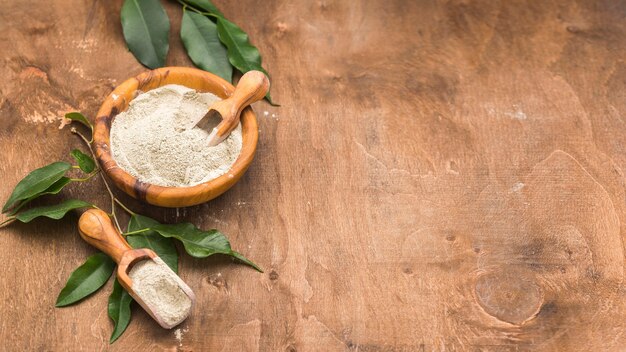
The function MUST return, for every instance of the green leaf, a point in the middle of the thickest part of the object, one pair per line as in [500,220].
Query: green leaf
[199,243]
[56,211]
[146,28]
[85,162]
[120,300]
[36,183]
[86,279]
[245,260]
[204,5]
[243,55]
[119,310]
[162,246]
[55,188]
[199,35]
[77,116]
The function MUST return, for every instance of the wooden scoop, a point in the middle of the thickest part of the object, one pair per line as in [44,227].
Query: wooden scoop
[96,228]
[223,115]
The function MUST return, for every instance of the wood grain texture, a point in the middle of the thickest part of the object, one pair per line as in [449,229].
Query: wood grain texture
[441,176]
[97,229]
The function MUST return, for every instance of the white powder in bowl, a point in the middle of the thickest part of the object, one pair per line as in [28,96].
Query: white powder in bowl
[150,142]
[159,287]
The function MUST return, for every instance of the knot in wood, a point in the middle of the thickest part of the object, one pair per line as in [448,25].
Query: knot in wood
[510,296]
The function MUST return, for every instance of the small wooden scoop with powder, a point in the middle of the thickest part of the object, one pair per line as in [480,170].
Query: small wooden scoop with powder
[223,115]
[140,271]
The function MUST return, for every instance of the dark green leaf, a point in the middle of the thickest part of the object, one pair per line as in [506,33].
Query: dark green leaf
[119,310]
[55,188]
[120,300]
[162,246]
[146,28]
[245,260]
[204,5]
[199,243]
[85,162]
[77,116]
[56,211]
[86,279]
[35,183]
[243,55]
[199,35]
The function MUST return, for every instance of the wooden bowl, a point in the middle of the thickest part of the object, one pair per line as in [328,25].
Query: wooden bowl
[173,197]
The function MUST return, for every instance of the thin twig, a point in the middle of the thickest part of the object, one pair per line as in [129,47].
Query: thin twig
[106,184]
[137,231]
[86,178]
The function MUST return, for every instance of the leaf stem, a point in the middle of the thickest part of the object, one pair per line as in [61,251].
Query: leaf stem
[7,222]
[86,178]
[137,231]
[212,15]
[191,7]
[130,212]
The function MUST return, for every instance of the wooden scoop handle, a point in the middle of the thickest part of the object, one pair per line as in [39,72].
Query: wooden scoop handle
[252,87]
[96,228]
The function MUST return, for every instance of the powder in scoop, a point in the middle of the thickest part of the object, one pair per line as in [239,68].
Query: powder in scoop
[150,140]
[159,287]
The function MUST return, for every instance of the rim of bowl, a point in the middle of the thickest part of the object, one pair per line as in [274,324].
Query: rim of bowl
[118,100]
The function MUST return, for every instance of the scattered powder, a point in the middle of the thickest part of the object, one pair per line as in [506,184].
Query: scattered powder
[517,186]
[150,140]
[159,287]
[178,334]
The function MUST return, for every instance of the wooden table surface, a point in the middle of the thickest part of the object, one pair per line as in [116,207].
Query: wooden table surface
[441,176]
